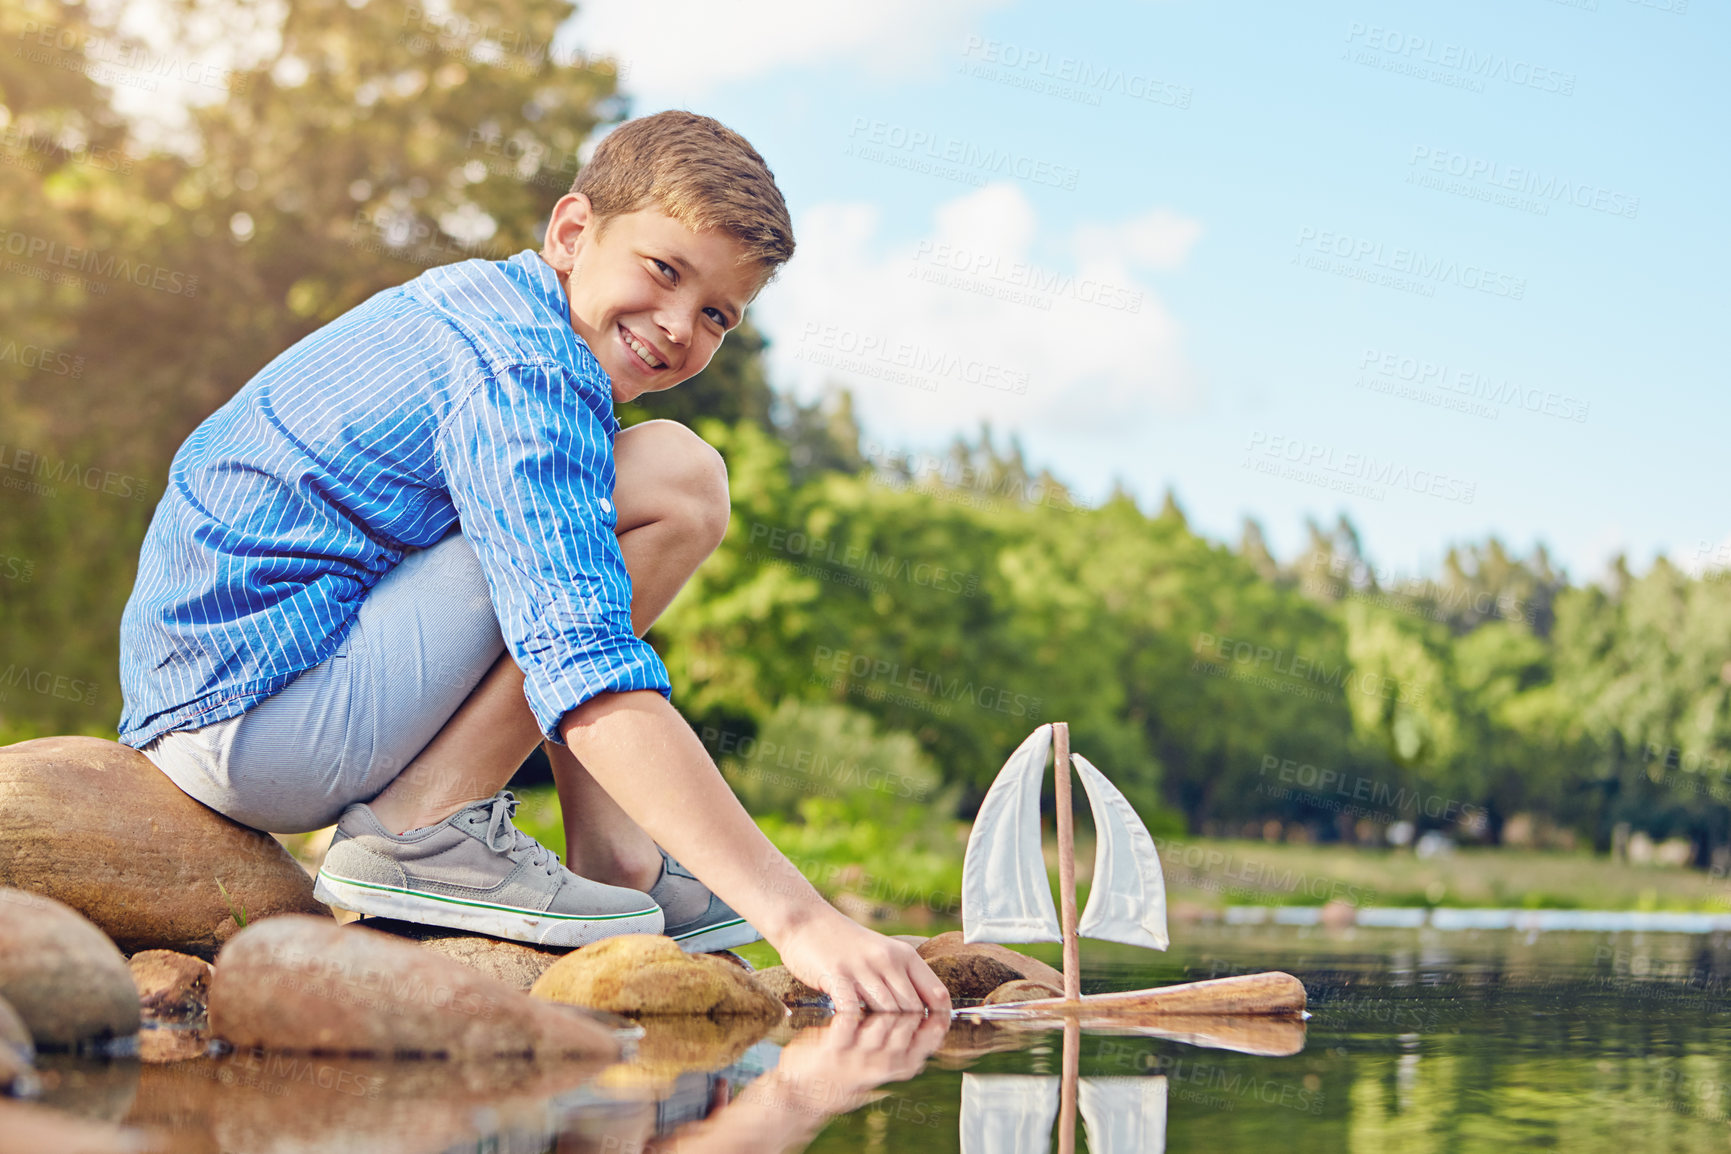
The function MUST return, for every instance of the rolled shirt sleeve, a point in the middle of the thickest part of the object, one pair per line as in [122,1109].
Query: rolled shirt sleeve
[527,456]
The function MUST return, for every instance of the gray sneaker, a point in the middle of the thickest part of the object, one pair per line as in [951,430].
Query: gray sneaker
[475,871]
[698,920]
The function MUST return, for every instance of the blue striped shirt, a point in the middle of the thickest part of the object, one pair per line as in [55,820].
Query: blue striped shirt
[463,397]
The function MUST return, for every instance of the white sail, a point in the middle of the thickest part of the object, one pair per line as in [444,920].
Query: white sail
[1122,1115]
[1005,894]
[1009,1113]
[1127,898]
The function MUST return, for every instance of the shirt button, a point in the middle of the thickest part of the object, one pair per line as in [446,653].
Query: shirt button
[606,505]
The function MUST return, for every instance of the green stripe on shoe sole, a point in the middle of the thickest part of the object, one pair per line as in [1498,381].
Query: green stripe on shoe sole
[488,905]
[707,929]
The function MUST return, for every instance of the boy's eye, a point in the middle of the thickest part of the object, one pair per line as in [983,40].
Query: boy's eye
[672,274]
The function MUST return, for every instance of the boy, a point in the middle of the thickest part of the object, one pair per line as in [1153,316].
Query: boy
[417,543]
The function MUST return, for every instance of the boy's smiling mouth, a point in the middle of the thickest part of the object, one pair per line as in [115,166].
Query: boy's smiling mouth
[644,353]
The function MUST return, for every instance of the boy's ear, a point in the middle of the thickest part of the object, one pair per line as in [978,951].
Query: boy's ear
[572,217]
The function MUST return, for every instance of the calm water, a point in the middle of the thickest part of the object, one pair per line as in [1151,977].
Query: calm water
[1420,1041]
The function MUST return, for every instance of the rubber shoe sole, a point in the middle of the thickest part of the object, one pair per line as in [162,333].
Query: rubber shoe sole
[721,936]
[520,925]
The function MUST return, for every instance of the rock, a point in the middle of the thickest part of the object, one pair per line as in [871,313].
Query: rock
[780,982]
[26,1126]
[16,1077]
[173,991]
[945,945]
[306,984]
[641,975]
[970,976]
[730,956]
[517,964]
[1022,990]
[16,1050]
[161,1045]
[95,825]
[67,982]
[14,1034]
[171,987]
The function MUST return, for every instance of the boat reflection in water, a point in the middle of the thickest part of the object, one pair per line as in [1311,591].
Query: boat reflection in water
[1013,1113]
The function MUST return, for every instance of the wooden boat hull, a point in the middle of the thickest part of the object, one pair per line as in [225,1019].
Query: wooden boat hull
[1272,993]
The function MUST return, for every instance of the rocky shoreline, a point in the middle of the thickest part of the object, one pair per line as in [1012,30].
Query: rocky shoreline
[116,939]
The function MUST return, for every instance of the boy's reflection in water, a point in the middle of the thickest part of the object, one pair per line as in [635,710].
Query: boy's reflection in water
[823,1072]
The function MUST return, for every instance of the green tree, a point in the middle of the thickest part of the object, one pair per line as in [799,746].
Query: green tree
[1644,659]
[1484,582]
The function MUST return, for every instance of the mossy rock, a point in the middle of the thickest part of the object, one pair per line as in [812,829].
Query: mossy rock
[794,994]
[646,975]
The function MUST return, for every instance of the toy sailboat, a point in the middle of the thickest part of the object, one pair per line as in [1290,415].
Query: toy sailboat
[1006,896]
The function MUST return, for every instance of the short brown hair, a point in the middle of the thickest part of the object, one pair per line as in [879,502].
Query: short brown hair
[696,170]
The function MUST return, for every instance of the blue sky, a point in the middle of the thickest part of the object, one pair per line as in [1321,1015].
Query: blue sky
[1452,268]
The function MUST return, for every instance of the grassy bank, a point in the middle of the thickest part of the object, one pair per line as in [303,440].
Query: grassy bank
[877,876]
[1216,873]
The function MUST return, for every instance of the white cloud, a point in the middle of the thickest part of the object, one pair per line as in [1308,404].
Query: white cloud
[1704,557]
[675,49]
[963,325]
[1159,239]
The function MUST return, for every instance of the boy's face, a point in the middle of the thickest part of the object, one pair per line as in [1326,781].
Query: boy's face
[651,298]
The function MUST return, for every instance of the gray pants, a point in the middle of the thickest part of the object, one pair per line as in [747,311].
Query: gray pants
[340,732]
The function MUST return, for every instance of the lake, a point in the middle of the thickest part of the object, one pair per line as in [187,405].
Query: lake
[1420,1040]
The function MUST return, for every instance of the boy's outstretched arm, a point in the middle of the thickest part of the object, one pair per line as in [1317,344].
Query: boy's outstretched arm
[641,751]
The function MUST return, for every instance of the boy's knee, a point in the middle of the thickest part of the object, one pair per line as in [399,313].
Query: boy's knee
[704,483]
[690,478]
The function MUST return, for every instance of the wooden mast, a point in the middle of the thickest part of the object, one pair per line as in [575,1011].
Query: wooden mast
[1066,863]
[1071,1068]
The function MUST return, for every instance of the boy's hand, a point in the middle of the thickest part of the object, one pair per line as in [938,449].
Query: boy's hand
[860,969]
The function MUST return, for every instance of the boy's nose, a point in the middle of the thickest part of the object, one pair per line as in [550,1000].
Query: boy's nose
[676,328]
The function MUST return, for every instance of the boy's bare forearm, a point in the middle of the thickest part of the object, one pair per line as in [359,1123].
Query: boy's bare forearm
[638,748]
